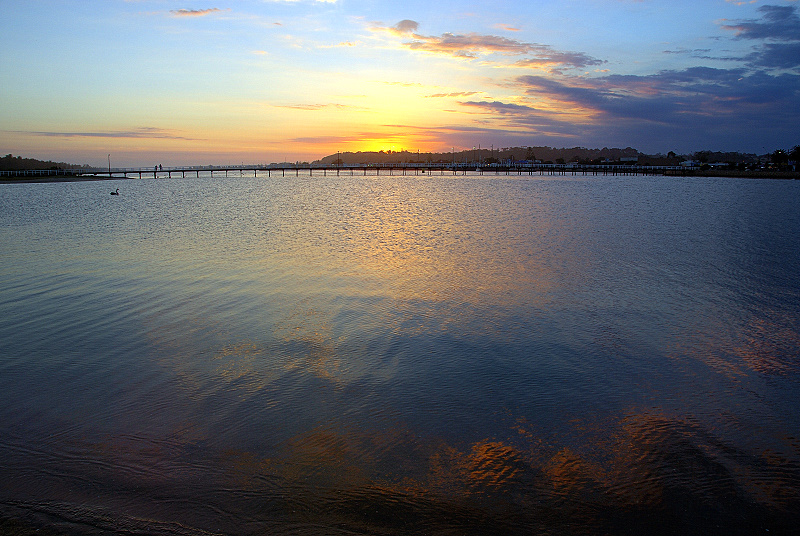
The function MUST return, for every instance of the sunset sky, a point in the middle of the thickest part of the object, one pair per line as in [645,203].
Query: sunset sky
[260,81]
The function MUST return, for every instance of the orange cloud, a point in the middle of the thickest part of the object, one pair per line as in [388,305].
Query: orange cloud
[506,27]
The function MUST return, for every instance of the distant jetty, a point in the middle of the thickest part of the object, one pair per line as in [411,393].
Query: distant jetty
[383,169]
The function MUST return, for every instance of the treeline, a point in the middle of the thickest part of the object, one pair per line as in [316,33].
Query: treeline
[16,163]
[485,154]
[726,157]
[580,155]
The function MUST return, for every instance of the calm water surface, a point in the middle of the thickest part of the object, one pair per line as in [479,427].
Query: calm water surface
[401,355]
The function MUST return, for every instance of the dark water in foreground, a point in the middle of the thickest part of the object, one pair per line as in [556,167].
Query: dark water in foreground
[401,355]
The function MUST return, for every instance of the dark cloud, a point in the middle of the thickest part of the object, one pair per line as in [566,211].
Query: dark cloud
[777,56]
[780,23]
[681,109]
[779,29]
[676,97]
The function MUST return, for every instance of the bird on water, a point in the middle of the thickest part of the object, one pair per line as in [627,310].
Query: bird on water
[115,193]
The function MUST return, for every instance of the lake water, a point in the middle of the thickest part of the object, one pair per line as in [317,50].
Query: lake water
[401,355]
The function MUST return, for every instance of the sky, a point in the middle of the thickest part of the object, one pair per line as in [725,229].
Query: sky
[144,82]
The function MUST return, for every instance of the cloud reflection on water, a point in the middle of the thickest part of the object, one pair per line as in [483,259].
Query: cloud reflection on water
[644,470]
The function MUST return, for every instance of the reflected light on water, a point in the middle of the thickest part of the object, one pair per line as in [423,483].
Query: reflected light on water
[400,355]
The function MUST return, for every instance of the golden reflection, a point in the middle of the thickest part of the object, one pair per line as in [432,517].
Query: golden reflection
[418,249]
[433,245]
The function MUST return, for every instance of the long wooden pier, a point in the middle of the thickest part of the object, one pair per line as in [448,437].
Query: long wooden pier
[418,169]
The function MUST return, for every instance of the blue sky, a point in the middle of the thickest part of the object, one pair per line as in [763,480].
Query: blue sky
[265,81]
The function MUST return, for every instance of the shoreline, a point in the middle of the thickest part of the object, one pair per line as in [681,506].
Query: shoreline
[13,526]
[62,178]
[734,174]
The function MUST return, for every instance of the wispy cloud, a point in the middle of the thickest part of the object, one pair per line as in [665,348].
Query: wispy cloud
[316,107]
[139,133]
[344,140]
[499,107]
[469,45]
[473,45]
[529,118]
[506,27]
[302,1]
[546,57]
[403,84]
[454,94]
[194,12]
[685,51]
[341,44]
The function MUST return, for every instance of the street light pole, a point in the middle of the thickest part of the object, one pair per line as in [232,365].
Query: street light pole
[109,165]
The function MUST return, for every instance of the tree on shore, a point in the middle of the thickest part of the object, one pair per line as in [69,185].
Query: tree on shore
[16,163]
[780,157]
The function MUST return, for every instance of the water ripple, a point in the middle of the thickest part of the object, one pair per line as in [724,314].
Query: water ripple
[396,355]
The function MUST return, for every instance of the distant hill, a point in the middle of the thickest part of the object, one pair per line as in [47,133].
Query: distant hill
[487,155]
[16,163]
